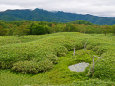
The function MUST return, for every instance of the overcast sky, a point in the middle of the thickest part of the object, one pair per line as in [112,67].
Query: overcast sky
[94,7]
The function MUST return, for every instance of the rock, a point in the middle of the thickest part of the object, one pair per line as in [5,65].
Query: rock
[80,67]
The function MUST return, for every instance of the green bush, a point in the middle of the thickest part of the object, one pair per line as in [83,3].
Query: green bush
[53,58]
[61,51]
[6,64]
[25,67]
[32,67]
[105,67]
[45,65]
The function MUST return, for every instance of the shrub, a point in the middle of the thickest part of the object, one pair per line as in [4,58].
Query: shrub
[6,64]
[53,58]
[32,67]
[105,67]
[25,67]
[61,51]
[45,65]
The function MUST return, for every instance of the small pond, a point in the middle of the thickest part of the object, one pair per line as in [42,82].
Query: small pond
[79,67]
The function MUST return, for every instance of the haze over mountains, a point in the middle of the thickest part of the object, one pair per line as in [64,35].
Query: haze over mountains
[52,16]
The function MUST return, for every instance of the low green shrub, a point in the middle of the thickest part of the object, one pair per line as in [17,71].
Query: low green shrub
[61,51]
[6,64]
[32,67]
[53,58]
[45,65]
[105,67]
[84,55]
[25,67]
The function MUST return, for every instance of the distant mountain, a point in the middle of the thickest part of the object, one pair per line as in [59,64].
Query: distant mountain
[59,16]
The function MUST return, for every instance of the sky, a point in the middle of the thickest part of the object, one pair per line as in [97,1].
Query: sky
[104,8]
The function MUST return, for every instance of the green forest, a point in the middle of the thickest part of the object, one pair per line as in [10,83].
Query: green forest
[42,27]
[38,53]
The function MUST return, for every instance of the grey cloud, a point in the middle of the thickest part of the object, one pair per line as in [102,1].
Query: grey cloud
[94,7]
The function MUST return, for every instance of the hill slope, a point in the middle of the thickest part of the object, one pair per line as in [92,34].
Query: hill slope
[43,15]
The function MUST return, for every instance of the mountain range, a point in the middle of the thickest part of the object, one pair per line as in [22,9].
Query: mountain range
[52,16]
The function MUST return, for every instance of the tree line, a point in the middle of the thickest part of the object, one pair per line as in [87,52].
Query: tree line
[42,27]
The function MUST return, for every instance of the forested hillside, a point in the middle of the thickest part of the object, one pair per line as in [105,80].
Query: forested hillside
[59,16]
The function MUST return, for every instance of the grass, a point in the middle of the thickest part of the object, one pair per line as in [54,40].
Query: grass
[37,48]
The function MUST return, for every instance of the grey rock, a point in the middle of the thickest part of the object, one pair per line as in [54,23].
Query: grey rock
[80,67]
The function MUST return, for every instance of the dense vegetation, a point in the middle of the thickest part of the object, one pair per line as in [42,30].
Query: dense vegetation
[20,28]
[44,59]
[43,15]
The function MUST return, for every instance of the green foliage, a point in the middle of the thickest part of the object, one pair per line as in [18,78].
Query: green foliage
[61,51]
[32,67]
[107,65]
[105,29]
[20,28]
[81,22]
[53,58]
[37,29]
[8,78]
[3,31]
[92,82]
[25,67]
[6,64]
[45,65]
[43,51]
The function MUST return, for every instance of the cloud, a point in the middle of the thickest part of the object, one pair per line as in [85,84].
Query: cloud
[94,7]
